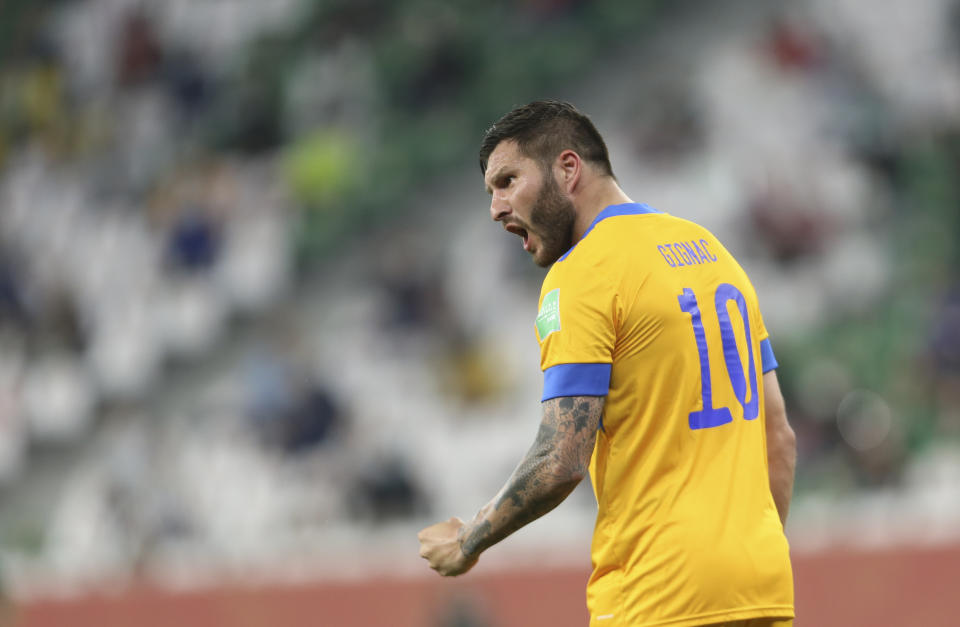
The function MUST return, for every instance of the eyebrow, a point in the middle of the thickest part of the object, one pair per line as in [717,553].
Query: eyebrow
[493,177]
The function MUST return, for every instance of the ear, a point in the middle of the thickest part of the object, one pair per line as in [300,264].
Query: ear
[568,168]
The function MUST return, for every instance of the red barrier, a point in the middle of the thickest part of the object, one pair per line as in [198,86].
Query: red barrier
[892,587]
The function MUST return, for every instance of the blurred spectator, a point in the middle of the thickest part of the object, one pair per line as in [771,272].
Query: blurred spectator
[470,370]
[13,309]
[195,241]
[414,301]
[290,409]
[413,285]
[139,54]
[190,85]
[793,45]
[314,420]
[386,491]
[323,167]
[269,389]
[673,129]
[38,87]
[793,227]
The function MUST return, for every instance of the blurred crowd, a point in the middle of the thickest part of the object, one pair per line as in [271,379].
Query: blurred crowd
[232,326]
[124,245]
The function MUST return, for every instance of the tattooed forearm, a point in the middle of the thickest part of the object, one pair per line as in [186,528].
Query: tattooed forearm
[471,544]
[551,469]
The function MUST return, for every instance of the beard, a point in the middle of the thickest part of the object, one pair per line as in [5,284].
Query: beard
[552,218]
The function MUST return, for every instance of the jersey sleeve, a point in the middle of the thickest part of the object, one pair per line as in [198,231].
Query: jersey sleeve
[576,330]
[768,360]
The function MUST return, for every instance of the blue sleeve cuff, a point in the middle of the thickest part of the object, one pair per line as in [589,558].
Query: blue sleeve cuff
[767,361]
[576,380]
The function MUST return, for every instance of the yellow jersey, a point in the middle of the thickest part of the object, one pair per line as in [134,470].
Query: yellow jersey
[654,313]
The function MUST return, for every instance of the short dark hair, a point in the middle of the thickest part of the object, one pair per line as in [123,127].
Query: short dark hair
[545,128]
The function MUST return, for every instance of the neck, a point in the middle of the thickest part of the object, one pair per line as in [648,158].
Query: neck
[594,198]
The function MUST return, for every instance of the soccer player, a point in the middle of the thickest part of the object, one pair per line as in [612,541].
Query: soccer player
[659,379]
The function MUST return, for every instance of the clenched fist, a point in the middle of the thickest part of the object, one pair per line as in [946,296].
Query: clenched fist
[440,546]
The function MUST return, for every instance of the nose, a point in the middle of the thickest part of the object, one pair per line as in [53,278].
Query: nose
[499,208]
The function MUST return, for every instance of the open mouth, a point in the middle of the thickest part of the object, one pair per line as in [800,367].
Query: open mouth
[520,231]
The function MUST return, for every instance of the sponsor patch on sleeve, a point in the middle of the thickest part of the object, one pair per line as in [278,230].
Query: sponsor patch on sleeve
[548,320]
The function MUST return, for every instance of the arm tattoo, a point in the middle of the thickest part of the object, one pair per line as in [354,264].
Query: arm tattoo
[471,544]
[551,469]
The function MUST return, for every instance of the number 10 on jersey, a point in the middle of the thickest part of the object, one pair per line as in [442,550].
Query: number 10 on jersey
[711,416]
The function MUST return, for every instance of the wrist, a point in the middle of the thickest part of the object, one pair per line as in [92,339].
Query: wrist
[462,535]
[471,537]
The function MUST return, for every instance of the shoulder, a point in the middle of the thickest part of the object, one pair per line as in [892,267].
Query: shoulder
[586,269]
[602,247]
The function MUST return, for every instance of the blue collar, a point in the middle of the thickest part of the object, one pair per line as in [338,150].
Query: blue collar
[626,209]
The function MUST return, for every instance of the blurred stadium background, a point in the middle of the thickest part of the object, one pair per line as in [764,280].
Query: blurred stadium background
[256,328]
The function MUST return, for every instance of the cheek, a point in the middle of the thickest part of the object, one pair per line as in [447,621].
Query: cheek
[525,197]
